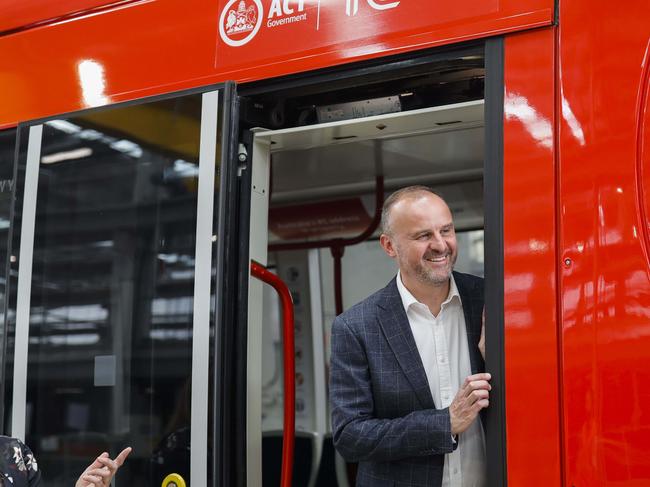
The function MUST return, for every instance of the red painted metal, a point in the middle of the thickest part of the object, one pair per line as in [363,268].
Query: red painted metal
[643,154]
[605,283]
[289,432]
[155,47]
[19,15]
[529,205]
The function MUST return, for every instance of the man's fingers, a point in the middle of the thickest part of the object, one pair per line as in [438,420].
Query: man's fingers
[92,479]
[113,465]
[97,463]
[109,464]
[480,384]
[473,396]
[481,376]
[485,376]
[475,385]
[480,404]
[122,456]
[479,394]
[103,472]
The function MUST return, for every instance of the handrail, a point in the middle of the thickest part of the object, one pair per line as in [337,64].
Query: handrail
[289,431]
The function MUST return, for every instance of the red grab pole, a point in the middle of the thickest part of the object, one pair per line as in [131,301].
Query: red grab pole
[288,436]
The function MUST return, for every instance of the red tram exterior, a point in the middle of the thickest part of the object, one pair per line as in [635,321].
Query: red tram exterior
[576,200]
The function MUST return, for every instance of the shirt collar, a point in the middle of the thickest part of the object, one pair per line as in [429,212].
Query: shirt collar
[408,299]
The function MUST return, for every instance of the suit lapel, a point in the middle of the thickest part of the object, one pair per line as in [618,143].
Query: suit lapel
[472,321]
[394,323]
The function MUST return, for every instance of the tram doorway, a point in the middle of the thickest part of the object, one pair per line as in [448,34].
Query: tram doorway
[315,191]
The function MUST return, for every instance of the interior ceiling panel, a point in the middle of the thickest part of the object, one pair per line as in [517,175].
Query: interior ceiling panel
[435,145]
[405,157]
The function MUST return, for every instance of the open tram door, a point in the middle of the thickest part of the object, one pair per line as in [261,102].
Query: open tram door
[119,288]
[317,180]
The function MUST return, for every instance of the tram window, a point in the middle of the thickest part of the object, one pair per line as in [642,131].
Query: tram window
[112,296]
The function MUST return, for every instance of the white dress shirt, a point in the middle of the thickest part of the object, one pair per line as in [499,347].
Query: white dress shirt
[442,344]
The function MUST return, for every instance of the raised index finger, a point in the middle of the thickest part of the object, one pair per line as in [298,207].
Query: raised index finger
[122,456]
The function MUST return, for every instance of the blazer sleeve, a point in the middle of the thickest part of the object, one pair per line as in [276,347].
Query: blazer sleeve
[33,472]
[18,464]
[359,435]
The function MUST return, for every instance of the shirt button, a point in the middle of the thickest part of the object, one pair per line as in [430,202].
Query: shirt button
[442,360]
[455,471]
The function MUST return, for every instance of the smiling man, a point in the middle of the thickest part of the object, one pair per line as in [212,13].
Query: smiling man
[407,380]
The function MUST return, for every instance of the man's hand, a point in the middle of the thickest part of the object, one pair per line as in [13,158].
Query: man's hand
[473,396]
[102,470]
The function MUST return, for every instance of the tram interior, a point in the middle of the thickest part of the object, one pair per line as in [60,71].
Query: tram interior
[324,185]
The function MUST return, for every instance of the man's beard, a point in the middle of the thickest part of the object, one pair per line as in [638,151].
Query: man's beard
[430,276]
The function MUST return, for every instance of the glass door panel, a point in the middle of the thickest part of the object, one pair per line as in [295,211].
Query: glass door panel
[7,159]
[113,312]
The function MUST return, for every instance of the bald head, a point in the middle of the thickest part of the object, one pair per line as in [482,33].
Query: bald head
[401,195]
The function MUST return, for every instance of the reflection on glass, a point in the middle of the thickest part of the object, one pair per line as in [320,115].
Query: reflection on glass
[7,152]
[112,291]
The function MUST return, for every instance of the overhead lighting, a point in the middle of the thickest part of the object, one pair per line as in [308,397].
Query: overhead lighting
[185,169]
[64,126]
[90,134]
[67,155]
[127,147]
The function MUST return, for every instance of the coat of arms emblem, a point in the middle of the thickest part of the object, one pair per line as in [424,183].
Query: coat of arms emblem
[241,20]
[239,24]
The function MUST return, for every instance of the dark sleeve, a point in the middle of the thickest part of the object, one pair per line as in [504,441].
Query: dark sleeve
[32,471]
[357,434]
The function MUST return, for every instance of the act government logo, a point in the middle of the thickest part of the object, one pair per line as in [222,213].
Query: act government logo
[240,20]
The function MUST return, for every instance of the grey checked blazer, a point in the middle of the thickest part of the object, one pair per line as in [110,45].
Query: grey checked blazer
[383,415]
